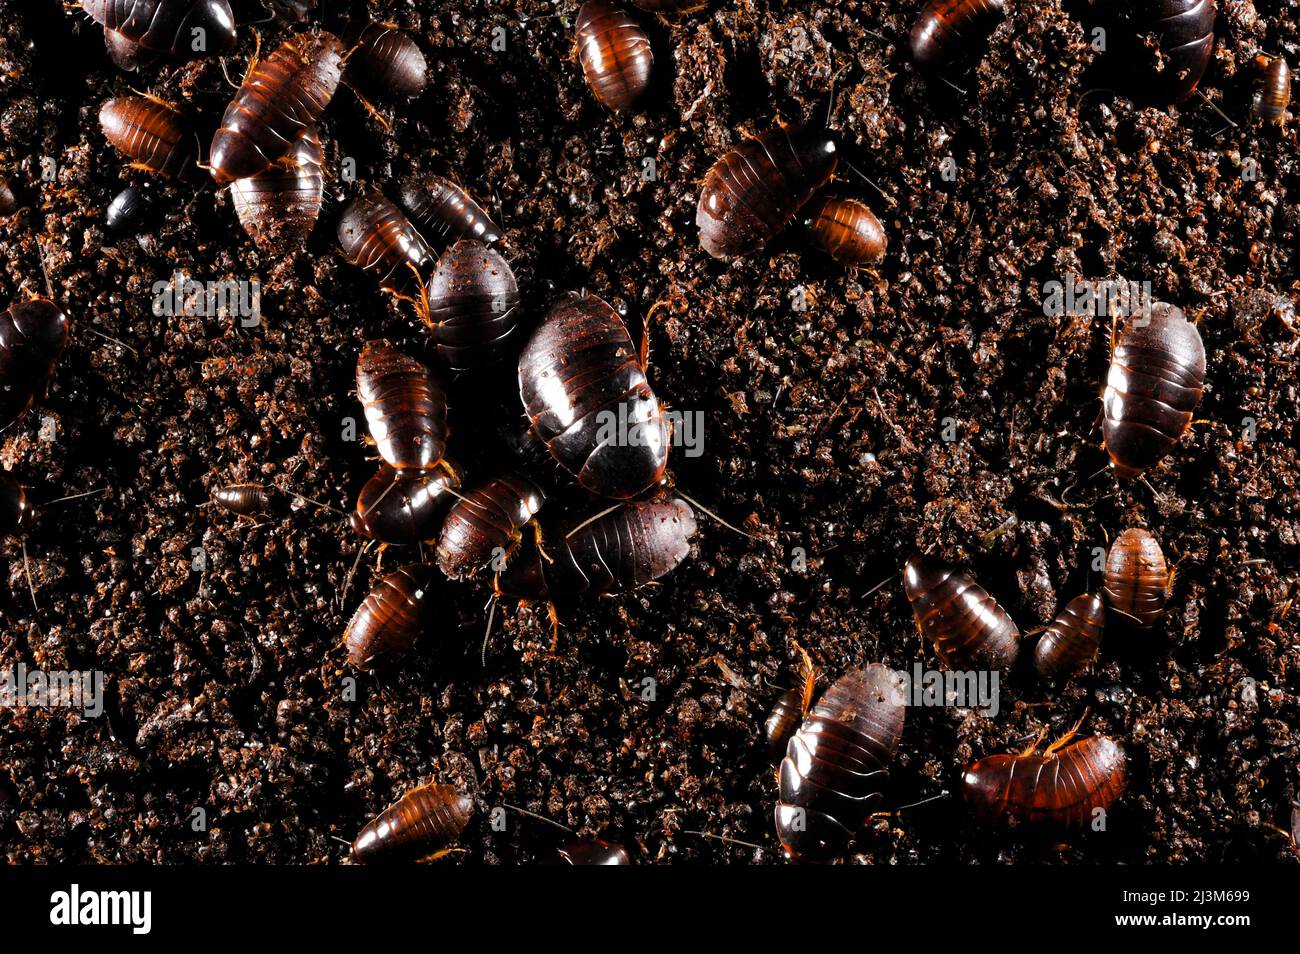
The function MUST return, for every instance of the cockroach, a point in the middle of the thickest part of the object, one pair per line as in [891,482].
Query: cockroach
[281,98]
[473,306]
[442,211]
[969,629]
[153,135]
[1157,374]
[390,618]
[290,11]
[946,26]
[126,55]
[486,520]
[1070,644]
[790,707]
[1272,89]
[847,231]
[595,852]
[420,826]
[403,507]
[837,765]
[376,237]
[168,26]
[125,210]
[581,379]
[278,207]
[615,55]
[247,500]
[1186,39]
[385,60]
[405,405]
[32,336]
[752,192]
[1137,581]
[14,510]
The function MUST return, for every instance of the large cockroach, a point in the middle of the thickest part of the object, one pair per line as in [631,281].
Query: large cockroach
[847,231]
[153,135]
[125,54]
[473,306]
[1137,581]
[420,826]
[278,207]
[486,521]
[385,60]
[376,237]
[594,852]
[405,405]
[1272,89]
[247,500]
[14,510]
[1186,36]
[752,192]
[442,211]
[945,27]
[615,55]
[1070,644]
[32,336]
[390,618]
[403,507]
[168,26]
[969,629]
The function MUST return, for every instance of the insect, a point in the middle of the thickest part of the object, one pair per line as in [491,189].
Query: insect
[278,206]
[32,336]
[1186,38]
[376,237]
[946,26]
[789,709]
[420,826]
[390,618]
[243,499]
[405,405]
[443,211]
[753,191]
[586,395]
[1272,89]
[837,765]
[8,201]
[967,626]
[1070,643]
[847,231]
[125,210]
[1137,581]
[473,306]
[1157,373]
[401,508]
[125,54]
[595,852]
[615,54]
[384,59]
[487,520]
[152,134]
[281,98]
[169,26]
[14,509]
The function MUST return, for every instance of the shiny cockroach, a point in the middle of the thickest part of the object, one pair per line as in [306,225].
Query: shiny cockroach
[421,826]
[403,507]
[174,27]
[1272,89]
[969,629]
[443,212]
[790,707]
[246,500]
[278,207]
[377,238]
[1070,644]
[405,407]
[14,509]
[486,523]
[32,336]
[383,60]
[126,210]
[947,27]
[126,55]
[1137,580]
[153,135]
[472,304]
[392,616]
[615,54]
[1185,31]
[846,230]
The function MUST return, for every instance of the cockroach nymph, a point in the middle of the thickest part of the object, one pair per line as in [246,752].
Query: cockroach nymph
[615,54]
[484,521]
[153,135]
[168,26]
[32,336]
[945,27]
[1070,644]
[126,209]
[405,406]
[594,852]
[391,617]
[420,826]
[376,237]
[969,629]
[846,230]
[246,500]
[1137,580]
[15,512]
[278,207]
[1272,89]
[398,507]
[385,60]
[443,212]
[473,306]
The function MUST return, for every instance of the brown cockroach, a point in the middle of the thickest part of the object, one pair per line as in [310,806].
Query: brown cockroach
[1185,30]
[384,60]
[278,207]
[153,135]
[615,55]
[1137,581]
[32,336]
[1070,644]
[405,405]
[1272,89]
[168,26]
[443,212]
[14,509]
[126,55]
[790,708]
[472,304]
[969,629]
[846,230]
[420,826]
[247,500]
[376,237]
[946,27]
[403,507]
[485,522]
[390,618]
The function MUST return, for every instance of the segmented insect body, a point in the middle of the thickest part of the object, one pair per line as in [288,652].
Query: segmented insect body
[1272,89]
[14,511]
[376,237]
[443,211]
[405,405]
[595,852]
[32,336]
[484,520]
[615,54]
[1137,580]
[152,135]
[474,306]
[169,26]
[1070,644]
[125,210]
[126,55]
[847,231]
[281,98]
[421,825]
[385,60]
[837,765]
[1157,374]
[401,508]
[1186,38]
[967,626]
[278,207]
[1062,787]
[587,398]
[783,720]
[752,192]
[390,618]
[945,27]
[243,499]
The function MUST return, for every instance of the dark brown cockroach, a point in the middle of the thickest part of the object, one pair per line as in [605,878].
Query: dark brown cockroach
[587,398]
[473,306]
[153,135]
[1157,373]
[125,210]
[790,707]
[420,826]
[847,231]
[279,206]
[405,405]
[1185,31]
[442,211]
[615,55]
[383,60]
[837,765]
[168,26]
[281,98]
[126,55]
[595,852]
[390,618]
[486,521]
[14,510]
[753,191]
[969,629]
[247,500]
[1070,644]
[376,237]
[399,508]
[1272,89]
[1137,581]
[1063,787]
[946,27]
[32,336]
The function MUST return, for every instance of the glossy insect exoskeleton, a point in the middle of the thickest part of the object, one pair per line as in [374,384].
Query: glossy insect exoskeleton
[473,306]
[404,508]
[405,405]
[376,237]
[420,826]
[442,211]
[290,11]
[1272,89]
[587,398]
[1062,787]
[279,206]
[595,852]
[14,511]
[243,499]
[281,98]
[969,629]
[1070,644]
[1137,581]
[152,135]
[385,60]
[32,336]
[8,201]
[168,26]
[947,26]
[126,55]
[485,521]
[837,764]
[1185,29]
[753,191]
[391,617]
[783,720]
[1157,373]
[126,209]
[615,54]
[847,231]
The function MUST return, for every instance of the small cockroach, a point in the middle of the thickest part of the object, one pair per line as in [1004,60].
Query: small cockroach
[125,210]
[968,627]
[790,707]
[473,306]
[278,207]
[587,398]
[837,765]
[376,237]
[945,27]
[1272,89]
[383,60]
[486,520]
[615,55]
[14,510]
[1157,374]
[1070,644]
[752,192]
[399,508]
[420,826]
[1185,31]
[390,618]
[281,98]
[168,26]
[847,231]
[443,212]
[32,336]
[153,135]
[595,852]
[247,500]
[405,405]
[1137,581]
